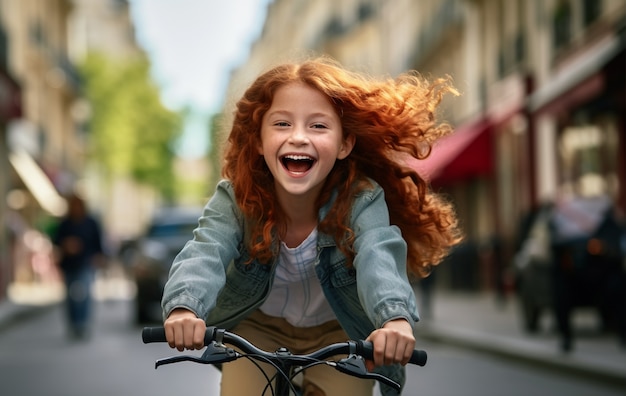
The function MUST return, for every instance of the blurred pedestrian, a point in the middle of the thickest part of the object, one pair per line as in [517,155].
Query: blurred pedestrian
[78,251]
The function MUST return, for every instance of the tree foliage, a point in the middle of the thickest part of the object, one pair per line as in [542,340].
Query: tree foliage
[216,148]
[131,132]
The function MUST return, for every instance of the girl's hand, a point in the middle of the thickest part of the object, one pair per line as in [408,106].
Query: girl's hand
[183,330]
[393,343]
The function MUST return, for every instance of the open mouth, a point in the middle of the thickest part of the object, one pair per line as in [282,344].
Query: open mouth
[297,163]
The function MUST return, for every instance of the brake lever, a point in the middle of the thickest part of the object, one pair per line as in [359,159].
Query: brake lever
[214,353]
[177,359]
[355,365]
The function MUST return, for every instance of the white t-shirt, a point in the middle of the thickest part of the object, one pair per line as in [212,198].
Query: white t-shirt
[296,294]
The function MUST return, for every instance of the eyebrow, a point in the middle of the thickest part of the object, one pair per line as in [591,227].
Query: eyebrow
[289,113]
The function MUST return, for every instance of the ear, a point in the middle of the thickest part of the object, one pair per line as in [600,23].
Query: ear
[259,146]
[346,146]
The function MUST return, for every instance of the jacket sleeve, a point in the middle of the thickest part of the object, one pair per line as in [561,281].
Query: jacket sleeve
[197,274]
[380,262]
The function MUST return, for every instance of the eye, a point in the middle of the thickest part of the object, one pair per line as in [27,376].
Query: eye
[281,124]
[318,126]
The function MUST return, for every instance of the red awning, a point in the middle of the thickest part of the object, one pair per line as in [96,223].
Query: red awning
[464,154]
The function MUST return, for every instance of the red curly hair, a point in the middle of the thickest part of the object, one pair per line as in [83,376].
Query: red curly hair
[390,118]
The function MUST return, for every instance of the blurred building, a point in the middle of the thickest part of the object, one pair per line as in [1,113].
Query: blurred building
[44,118]
[542,114]
[10,109]
[102,25]
[40,143]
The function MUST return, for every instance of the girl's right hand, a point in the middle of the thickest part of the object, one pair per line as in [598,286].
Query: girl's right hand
[184,330]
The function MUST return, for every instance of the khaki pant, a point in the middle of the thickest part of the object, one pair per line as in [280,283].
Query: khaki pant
[243,378]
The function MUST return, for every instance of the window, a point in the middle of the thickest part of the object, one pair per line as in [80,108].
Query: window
[365,11]
[588,156]
[591,11]
[562,25]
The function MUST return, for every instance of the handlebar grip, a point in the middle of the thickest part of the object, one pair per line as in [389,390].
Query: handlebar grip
[157,334]
[419,357]
[366,349]
[153,334]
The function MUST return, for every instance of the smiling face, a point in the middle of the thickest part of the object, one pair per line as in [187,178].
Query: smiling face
[301,138]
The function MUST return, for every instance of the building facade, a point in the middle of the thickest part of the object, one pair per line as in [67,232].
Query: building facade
[43,113]
[40,142]
[10,109]
[541,118]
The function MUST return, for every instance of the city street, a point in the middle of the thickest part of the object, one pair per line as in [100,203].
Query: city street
[36,358]
[496,131]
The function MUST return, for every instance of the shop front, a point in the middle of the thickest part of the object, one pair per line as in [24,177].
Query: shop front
[586,104]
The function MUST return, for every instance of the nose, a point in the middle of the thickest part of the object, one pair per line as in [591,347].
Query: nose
[298,135]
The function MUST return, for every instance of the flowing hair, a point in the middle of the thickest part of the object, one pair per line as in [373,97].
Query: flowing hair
[392,120]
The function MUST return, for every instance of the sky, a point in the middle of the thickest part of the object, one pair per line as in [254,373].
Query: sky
[193,45]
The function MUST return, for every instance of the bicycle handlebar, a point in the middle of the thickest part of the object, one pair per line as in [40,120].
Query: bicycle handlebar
[361,348]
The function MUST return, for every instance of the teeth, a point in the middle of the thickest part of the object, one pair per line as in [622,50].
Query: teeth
[298,157]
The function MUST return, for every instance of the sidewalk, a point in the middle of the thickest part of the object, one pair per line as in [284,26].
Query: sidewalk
[26,300]
[480,322]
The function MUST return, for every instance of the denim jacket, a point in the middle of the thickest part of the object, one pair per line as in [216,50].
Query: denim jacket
[209,276]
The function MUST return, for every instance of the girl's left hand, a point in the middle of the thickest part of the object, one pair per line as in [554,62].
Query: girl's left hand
[393,343]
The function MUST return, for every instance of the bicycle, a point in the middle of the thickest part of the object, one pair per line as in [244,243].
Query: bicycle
[287,365]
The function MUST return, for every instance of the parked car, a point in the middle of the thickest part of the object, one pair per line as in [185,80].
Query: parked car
[151,256]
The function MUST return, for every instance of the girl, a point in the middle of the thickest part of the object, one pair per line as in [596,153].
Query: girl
[310,238]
